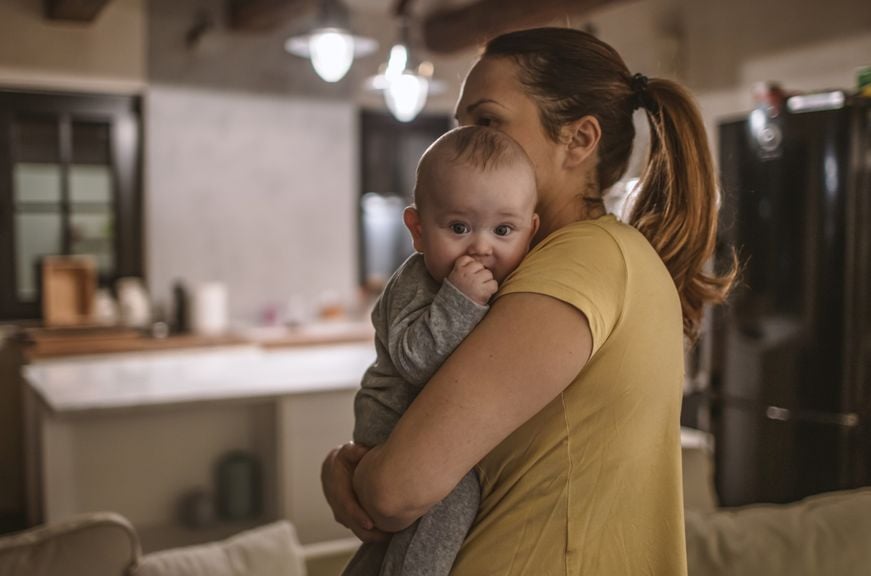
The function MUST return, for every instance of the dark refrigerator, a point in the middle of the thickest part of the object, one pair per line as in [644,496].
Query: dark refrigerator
[791,350]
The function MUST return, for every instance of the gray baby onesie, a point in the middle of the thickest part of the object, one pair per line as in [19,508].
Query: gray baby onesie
[418,323]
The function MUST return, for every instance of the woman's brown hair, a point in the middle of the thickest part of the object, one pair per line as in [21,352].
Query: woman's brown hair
[572,74]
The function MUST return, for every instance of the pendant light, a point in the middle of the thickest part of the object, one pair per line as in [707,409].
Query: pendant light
[406,82]
[330,45]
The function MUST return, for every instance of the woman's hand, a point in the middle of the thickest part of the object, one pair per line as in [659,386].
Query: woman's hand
[337,477]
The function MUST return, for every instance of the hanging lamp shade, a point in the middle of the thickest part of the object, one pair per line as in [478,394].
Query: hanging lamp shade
[406,83]
[330,45]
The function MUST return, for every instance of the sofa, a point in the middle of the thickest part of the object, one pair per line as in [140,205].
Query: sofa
[106,544]
[827,534]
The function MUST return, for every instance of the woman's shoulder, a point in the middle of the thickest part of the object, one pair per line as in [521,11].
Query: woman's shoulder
[600,242]
[596,242]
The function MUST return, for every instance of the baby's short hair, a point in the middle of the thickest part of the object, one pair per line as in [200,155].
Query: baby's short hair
[477,146]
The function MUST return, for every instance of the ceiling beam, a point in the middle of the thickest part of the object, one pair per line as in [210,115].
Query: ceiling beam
[400,9]
[261,15]
[455,29]
[75,10]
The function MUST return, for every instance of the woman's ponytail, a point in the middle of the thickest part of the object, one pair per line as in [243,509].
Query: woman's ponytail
[676,207]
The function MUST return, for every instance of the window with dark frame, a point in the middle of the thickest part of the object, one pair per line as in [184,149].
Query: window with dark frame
[70,174]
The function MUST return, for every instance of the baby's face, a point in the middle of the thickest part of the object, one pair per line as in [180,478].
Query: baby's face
[489,216]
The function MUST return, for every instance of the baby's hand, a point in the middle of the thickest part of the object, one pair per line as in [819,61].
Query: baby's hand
[472,279]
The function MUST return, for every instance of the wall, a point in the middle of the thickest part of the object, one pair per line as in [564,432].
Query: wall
[258,192]
[722,39]
[719,50]
[805,45]
[107,55]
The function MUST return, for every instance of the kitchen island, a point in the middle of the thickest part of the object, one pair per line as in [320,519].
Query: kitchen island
[136,432]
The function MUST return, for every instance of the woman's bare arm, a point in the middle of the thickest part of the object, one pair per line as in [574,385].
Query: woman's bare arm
[525,352]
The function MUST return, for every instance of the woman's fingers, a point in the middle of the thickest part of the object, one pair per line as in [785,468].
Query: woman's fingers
[337,475]
[347,458]
[352,452]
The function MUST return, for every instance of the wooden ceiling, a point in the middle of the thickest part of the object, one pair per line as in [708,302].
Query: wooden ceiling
[444,30]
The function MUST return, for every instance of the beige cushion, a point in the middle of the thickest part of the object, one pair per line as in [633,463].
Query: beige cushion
[698,470]
[97,544]
[822,535]
[271,550]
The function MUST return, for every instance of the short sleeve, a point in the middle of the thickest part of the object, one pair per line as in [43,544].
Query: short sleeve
[581,265]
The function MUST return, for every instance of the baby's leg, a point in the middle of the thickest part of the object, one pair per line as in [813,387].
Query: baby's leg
[429,546]
[367,560]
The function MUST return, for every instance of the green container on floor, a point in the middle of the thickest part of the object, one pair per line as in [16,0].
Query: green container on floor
[240,490]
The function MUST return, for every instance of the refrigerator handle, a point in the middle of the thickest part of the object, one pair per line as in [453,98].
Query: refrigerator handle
[846,420]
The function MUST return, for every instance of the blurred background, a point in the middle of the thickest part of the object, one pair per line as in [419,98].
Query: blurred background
[200,200]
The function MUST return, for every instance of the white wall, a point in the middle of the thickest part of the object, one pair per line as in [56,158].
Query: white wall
[804,45]
[720,49]
[816,66]
[106,55]
[259,192]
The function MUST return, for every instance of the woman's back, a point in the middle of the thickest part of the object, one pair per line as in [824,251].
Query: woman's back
[592,483]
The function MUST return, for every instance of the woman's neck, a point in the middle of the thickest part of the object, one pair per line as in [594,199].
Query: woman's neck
[564,210]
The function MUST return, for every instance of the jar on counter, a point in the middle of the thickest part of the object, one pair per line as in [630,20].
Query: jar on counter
[134,307]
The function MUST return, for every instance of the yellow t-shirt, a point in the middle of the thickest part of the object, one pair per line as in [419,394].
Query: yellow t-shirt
[591,485]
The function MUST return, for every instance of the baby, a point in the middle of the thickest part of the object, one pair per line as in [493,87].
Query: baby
[472,222]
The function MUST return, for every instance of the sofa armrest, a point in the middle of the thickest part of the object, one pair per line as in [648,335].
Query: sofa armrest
[95,544]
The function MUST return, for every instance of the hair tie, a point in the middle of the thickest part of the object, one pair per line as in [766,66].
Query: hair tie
[641,99]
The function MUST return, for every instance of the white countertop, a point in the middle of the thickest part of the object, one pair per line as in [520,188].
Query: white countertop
[218,373]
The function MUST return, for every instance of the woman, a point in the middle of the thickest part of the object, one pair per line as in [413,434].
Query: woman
[566,397]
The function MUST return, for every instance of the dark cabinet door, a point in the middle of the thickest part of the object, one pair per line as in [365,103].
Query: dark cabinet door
[70,173]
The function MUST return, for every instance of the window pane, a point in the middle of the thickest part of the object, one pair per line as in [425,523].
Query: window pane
[36,235]
[90,143]
[37,183]
[35,139]
[93,233]
[90,184]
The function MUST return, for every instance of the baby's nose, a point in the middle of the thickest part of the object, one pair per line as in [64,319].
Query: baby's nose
[480,246]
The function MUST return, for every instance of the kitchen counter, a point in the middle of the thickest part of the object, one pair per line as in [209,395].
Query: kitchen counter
[214,373]
[134,432]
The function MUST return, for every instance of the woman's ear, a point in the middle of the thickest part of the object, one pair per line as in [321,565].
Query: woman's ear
[581,138]
[411,217]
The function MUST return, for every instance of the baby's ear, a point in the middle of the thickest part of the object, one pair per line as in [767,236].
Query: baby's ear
[536,222]
[411,217]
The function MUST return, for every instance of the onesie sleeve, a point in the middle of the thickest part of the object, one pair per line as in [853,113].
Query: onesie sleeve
[581,265]
[424,330]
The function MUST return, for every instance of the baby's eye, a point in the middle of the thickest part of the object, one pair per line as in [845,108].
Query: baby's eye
[459,228]
[503,230]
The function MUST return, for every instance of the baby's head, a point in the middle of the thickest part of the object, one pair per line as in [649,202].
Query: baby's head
[475,195]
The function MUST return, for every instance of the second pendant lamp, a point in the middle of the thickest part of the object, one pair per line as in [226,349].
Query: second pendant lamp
[405,81]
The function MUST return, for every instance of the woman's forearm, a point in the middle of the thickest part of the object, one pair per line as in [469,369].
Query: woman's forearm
[388,506]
